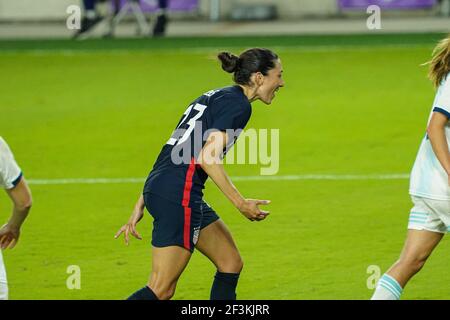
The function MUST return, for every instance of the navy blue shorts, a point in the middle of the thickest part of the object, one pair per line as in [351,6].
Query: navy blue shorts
[175,224]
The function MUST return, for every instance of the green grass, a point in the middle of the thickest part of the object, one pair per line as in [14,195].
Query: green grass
[351,105]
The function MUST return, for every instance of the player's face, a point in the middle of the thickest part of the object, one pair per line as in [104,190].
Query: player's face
[270,83]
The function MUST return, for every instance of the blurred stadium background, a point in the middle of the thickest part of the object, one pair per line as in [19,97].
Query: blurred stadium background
[43,19]
[351,118]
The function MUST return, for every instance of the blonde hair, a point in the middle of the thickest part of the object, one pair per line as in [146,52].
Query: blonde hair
[440,62]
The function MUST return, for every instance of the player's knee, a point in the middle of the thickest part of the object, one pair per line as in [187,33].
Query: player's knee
[239,265]
[233,264]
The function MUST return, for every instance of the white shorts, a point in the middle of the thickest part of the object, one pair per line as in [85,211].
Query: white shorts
[429,214]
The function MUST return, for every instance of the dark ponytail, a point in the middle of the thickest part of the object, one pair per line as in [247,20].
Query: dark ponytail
[229,61]
[249,62]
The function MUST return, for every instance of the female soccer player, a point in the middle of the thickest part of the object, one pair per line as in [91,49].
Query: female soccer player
[429,186]
[173,190]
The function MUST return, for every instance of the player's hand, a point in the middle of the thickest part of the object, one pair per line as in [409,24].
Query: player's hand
[130,227]
[9,236]
[250,209]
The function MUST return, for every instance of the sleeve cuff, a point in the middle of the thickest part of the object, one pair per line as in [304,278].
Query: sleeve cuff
[443,111]
[17,180]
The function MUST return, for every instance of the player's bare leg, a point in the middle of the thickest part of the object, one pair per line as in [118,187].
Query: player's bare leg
[167,265]
[216,243]
[418,247]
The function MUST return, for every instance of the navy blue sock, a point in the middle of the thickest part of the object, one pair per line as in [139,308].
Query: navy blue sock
[162,4]
[89,4]
[224,286]
[143,294]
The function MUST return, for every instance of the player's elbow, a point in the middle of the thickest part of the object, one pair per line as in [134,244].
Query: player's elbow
[28,204]
[21,196]
[24,204]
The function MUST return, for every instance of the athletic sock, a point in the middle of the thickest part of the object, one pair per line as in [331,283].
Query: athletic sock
[387,289]
[162,7]
[89,4]
[143,294]
[162,4]
[224,286]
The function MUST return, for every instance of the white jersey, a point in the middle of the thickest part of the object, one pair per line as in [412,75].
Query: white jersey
[10,172]
[428,177]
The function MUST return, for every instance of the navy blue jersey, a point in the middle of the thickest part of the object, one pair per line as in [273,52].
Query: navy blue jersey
[175,175]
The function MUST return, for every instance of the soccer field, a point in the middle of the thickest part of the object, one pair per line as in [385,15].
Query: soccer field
[352,105]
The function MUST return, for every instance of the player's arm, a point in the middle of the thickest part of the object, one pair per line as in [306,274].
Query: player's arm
[436,134]
[130,226]
[22,201]
[210,159]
